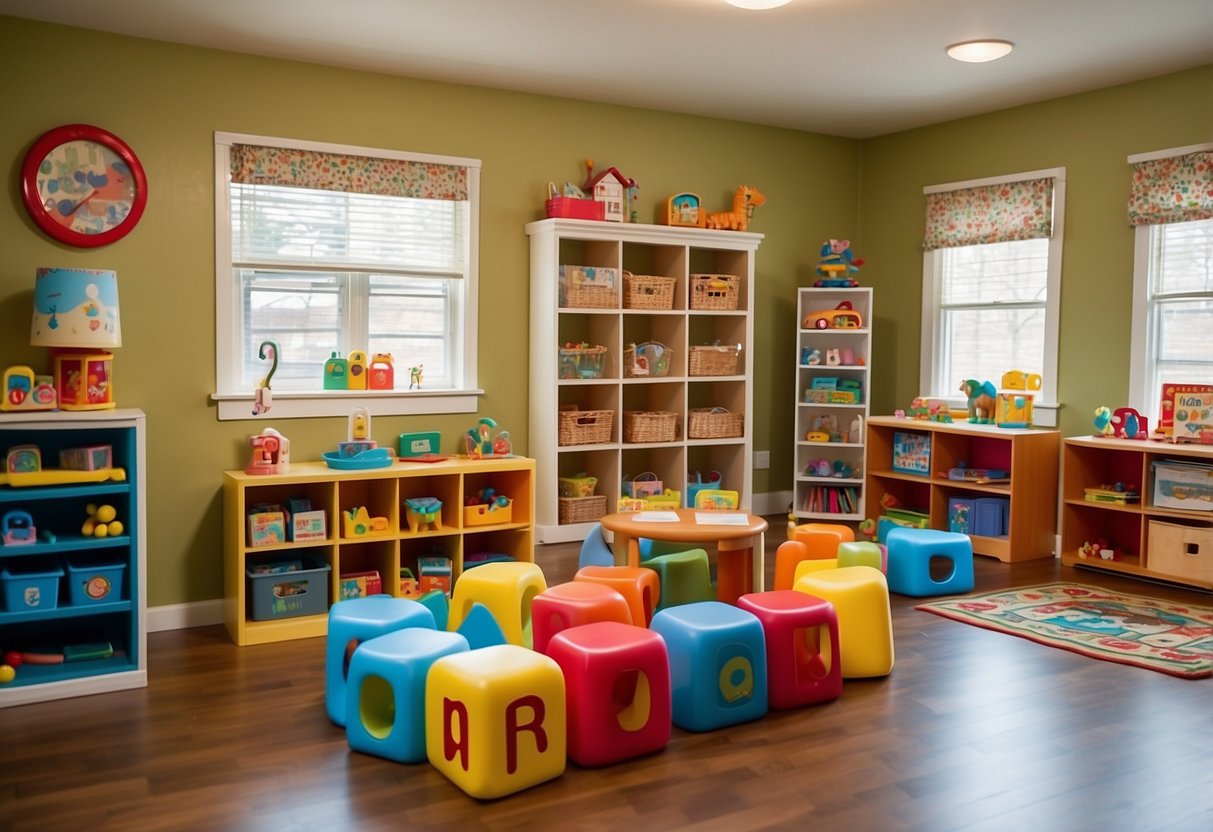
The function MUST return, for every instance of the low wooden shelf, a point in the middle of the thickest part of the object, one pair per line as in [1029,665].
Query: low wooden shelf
[383,492]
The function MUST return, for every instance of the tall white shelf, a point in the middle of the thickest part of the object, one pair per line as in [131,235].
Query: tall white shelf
[858,341]
[643,250]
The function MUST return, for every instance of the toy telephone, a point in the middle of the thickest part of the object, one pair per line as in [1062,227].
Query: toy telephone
[23,390]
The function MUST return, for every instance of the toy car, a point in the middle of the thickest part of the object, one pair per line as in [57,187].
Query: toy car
[843,316]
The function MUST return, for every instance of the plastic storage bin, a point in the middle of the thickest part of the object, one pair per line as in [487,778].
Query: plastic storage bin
[299,588]
[95,583]
[27,589]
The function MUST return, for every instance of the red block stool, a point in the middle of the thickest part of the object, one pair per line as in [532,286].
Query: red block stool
[617,689]
[641,587]
[809,541]
[571,604]
[803,661]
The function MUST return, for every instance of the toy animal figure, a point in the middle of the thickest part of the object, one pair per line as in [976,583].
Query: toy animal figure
[745,200]
[1103,421]
[837,266]
[982,396]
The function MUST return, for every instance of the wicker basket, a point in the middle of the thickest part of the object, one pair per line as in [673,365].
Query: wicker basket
[581,509]
[714,423]
[648,291]
[714,291]
[582,362]
[588,287]
[654,360]
[650,426]
[714,360]
[585,427]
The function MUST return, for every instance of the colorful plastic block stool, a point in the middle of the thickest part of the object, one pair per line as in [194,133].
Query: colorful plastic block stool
[495,719]
[911,552]
[685,577]
[809,541]
[807,566]
[594,549]
[480,628]
[862,553]
[860,596]
[574,603]
[354,621]
[803,660]
[718,664]
[639,586]
[617,683]
[385,698]
[506,589]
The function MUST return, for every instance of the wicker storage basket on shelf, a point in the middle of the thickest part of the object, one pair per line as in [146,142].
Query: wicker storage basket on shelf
[650,426]
[648,360]
[582,362]
[714,360]
[589,287]
[585,427]
[714,423]
[714,291]
[648,291]
[581,509]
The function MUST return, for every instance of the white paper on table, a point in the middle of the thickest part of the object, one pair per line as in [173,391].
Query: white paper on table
[655,517]
[721,518]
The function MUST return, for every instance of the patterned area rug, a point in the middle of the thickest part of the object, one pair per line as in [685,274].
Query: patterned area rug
[1130,629]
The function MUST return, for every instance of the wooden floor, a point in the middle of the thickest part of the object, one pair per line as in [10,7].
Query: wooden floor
[972,730]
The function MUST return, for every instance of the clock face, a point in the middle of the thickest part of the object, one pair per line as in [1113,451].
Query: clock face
[83,185]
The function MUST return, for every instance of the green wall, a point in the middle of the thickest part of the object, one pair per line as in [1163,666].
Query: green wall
[167,101]
[1090,135]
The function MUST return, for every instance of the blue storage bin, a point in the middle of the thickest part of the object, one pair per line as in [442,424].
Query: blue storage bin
[26,590]
[990,516]
[279,594]
[95,583]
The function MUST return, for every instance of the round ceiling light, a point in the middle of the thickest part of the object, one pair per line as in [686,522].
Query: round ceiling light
[980,51]
[758,4]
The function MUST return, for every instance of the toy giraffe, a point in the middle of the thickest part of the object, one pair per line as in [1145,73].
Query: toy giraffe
[745,200]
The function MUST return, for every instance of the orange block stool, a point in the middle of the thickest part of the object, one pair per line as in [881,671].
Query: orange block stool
[617,689]
[816,541]
[803,661]
[639,586]
[570,604]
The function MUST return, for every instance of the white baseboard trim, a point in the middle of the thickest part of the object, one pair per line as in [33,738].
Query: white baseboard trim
[184,616]
[771,502]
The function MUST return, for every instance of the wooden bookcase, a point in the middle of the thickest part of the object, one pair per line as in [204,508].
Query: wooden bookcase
[1030,457]
[383,492]
[1093,462]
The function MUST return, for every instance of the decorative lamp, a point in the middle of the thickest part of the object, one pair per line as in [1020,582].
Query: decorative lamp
[76,315]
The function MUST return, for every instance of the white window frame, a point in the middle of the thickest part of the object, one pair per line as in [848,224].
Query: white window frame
[1142,399]
[234,403]
[930,372]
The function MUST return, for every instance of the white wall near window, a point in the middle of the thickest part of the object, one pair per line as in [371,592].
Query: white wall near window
[322,271]
[994,307]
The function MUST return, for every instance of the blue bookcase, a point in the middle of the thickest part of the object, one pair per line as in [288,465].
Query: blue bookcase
[68,596]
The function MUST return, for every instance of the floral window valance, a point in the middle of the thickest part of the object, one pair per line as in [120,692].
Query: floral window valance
[348,173]
[1021,210]
[1173,189]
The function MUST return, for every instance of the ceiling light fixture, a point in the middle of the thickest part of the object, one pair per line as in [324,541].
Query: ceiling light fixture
[979,51]
[758,4]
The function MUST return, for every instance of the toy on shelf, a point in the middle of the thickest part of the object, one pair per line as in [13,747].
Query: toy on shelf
[357,522]
[23,467]
[481,444]
[336,373]
[357,371]
[1117,493]
[358,451]
[843,316]
[262,398]
[487,507]
[612,189]
[745,200]
[981,397]
[102,521]
[23,390]
[572,203]
[422,513]
[18,528]
[381,374]
[270,453]
[837,266]
[1185,413]
[1098,549]
[415,374]
[1103,422]
[810,357]
[685,210]
[1013,407]
[1129,424]
[91,458]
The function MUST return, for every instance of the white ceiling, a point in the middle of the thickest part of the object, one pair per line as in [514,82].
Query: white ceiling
[855,68]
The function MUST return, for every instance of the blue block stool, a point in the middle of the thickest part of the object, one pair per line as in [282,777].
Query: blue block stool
[354,621]
[910,554]
[385,698]
[718,664]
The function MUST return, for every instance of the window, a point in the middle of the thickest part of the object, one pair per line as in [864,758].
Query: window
[991,284]
[1171,205]
[329,249]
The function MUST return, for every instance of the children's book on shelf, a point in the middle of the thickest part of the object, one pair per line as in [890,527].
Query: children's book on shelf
[1186,412]
[911,452]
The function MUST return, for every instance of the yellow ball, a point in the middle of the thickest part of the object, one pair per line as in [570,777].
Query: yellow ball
[106,513]
[7,674]
[116,528]
[90,509]
[102,530]
[87,528]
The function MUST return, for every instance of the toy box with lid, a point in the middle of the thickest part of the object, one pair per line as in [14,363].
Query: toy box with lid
[288,588]
[94,583]
[31,586]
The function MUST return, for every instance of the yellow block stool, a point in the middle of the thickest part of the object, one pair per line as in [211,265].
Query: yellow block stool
[506,589]
[495,719]
[809,541]
[806,567]
[860,596]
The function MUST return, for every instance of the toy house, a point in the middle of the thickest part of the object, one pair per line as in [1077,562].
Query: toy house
[610,188]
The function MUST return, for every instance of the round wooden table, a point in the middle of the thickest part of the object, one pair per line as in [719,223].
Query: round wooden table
[736,543]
